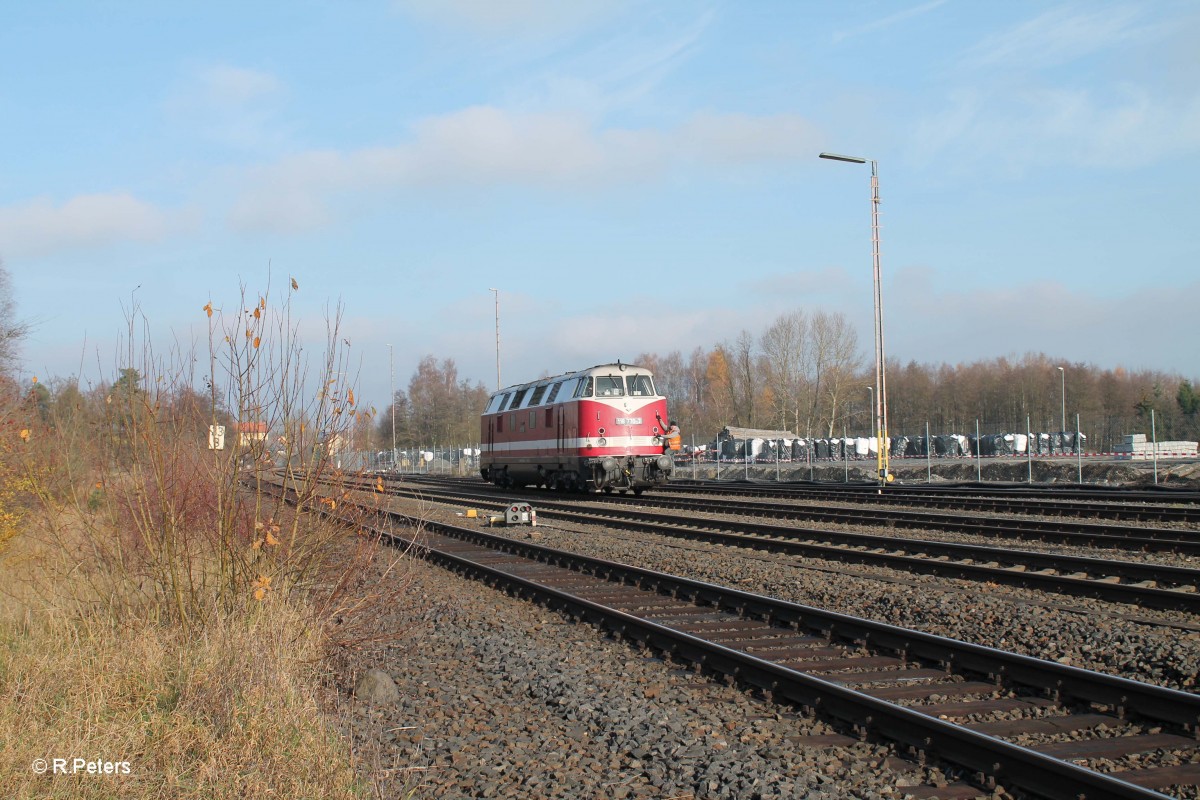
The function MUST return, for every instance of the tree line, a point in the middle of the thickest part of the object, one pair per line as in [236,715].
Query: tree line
[808,373]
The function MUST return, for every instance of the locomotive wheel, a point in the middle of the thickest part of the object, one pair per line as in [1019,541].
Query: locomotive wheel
[637,492]
[607,490]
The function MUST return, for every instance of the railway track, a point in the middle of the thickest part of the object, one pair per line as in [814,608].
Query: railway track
[1021,528]
[1144,585]
[1135,505]
[1081,733]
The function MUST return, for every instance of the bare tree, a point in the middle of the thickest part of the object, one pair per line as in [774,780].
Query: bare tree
[786,361]
[835,346]
[12,330]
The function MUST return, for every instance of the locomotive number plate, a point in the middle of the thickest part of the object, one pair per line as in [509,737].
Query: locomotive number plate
[629,420]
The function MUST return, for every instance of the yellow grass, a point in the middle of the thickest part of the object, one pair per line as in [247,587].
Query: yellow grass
[227,711]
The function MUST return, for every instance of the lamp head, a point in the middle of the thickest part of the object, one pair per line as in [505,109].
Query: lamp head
[851,159]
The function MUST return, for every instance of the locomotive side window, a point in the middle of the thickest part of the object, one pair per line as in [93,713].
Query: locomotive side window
[639,385]
[554,392]
[584,389]
[549,417]
[609,386]
[500,424]
[532,420]
[537,395]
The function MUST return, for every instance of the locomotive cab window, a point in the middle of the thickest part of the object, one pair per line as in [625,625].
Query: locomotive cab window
[639,385]
[584,388]
[609,386]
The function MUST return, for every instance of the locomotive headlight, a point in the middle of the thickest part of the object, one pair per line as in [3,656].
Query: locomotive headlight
[603,441]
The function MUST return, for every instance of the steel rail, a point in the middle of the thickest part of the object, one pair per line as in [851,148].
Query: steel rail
[1084,534]
[1183,506]
[1087,577]
[1036,772]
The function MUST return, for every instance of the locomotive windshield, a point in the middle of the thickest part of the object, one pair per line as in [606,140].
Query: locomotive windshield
[639,385]
[584,387]
[609,386]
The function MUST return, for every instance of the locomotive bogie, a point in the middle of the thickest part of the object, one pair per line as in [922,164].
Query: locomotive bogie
[599,429]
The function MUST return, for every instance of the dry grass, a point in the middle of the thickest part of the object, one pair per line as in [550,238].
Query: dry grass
[159,617]
[228,711]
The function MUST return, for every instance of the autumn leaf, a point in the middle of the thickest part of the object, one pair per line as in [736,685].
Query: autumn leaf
[262,586]
[379,484]
[25,434]
[262,302]
[350,396]
[257,340]
[271,540]
[257,313]
[294,284]
[208,308]
[35,378]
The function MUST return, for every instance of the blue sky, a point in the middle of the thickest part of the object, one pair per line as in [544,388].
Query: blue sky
[633,176]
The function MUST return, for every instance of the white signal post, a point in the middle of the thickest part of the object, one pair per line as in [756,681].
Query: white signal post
[1064,398]
[497,293]
[392,370]
[880,394]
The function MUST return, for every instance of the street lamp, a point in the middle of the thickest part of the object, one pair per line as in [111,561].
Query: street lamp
[392,366]
[497,293]
[880,394]
[1064,399]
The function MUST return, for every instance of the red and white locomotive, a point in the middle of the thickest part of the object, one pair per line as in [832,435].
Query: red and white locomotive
[598,429]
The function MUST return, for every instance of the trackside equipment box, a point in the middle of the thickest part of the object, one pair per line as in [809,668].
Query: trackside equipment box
[520,514]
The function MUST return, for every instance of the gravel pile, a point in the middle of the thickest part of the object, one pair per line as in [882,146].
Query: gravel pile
[500,698]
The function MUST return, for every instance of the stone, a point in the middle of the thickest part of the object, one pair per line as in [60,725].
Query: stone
[377,687]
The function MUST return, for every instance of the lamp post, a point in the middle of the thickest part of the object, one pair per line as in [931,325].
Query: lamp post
[497,293]
[1064,398]
[392,369]
[880,394]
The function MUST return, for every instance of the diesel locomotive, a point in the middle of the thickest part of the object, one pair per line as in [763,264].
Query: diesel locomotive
[603,428]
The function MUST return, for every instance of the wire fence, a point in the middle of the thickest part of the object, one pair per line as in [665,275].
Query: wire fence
[732,458]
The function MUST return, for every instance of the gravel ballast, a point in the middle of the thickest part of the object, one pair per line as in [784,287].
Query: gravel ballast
[502,698]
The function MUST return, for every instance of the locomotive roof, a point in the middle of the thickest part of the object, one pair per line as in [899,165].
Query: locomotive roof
[617,366]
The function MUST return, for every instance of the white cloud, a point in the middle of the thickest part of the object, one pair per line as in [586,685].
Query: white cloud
[1058,36]
[1125,127]
[524,16]
[1017,101]
[929,323]
[487,146]
[889,20]
[235,106]
[39,227]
